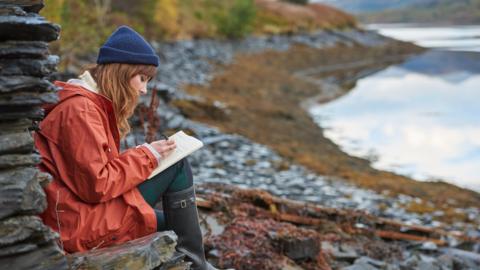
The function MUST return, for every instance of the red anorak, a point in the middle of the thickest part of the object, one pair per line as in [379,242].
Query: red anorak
[93,200]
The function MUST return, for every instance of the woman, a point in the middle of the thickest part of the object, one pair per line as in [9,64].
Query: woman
[98,196]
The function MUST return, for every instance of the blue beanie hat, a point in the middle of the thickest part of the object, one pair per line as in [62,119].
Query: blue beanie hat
[127,46]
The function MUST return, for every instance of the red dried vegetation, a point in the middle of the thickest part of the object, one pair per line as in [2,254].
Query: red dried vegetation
[256,236]
[253,243]
[303,17]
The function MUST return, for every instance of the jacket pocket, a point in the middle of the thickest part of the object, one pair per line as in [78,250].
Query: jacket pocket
[102,241]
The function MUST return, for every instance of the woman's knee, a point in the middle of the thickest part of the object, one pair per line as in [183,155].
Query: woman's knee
[182,162]
[183,177]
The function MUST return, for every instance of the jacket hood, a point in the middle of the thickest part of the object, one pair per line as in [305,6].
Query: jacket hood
[69,90]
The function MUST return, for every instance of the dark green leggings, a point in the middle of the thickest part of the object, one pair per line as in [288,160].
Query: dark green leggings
[175,178]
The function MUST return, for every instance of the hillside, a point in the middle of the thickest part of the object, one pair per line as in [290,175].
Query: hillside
[362,6]
[89,22]
[440,11]
[411,11]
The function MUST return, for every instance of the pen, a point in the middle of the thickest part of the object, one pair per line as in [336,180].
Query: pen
[164,136]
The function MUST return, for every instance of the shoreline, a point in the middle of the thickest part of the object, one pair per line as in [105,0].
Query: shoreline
[338,91]
[358,170]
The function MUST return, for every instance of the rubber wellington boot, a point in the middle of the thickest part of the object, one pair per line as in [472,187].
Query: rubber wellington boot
[181,216]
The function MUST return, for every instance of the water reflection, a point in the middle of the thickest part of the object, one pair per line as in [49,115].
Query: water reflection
[421,118]
[457,38]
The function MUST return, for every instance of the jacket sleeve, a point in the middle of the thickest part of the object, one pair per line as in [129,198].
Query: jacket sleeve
[93,171]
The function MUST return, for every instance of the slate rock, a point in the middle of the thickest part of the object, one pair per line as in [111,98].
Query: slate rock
[18,125]
[44,178]
[424,265]
[20,192]
[17,249]
[25,83]
[27,5]
[15,160]
[6,10]
[26,243]
[23,49]
[463,259]
[16,143]
[28,27]
[141,254]
[28,98]
[175,262]
[297,248]
[24,229]
[46,257]
[446,262]
[21,112]
[429,246]
[26,66]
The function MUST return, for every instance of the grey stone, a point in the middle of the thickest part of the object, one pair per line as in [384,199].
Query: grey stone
[28,99]
[15,126]
[446,262]
[340,253]
[410,262]
[424,265]
[11,161]
[46,257]
[20,192]
[44,178]
[368,260]
[28,27]
[360,266]
[19,112]
[175,122]
[16,143]
[141,254]
[24,229]
[17,249]
[27,5]
[21,83]
[29,67]
[297,248]
[26,243]
[459,262]
[467,258]
[429,246]
[6,10]
[23,49]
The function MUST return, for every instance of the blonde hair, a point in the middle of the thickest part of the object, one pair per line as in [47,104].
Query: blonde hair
[113,81]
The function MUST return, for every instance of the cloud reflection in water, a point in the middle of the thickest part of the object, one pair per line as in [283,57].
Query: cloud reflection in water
[419,124]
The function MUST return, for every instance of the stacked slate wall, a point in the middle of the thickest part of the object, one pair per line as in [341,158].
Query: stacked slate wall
[25,61]
[25,242]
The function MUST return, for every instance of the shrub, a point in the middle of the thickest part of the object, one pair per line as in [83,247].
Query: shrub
[237,20]
[298,2]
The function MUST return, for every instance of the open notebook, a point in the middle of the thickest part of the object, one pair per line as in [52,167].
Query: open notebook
[185,146]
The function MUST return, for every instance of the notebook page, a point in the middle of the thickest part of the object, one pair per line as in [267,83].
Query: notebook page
[185,146]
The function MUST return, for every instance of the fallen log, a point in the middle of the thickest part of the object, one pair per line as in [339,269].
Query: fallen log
[408,237]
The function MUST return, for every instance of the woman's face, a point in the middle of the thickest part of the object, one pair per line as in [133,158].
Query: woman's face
[139,83]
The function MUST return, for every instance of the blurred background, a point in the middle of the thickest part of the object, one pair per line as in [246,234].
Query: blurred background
[421,117]
[417,117]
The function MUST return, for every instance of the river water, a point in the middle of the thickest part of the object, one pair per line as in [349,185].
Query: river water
[420,118]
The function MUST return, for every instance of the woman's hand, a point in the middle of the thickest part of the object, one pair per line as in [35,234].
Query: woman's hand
[164,147]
